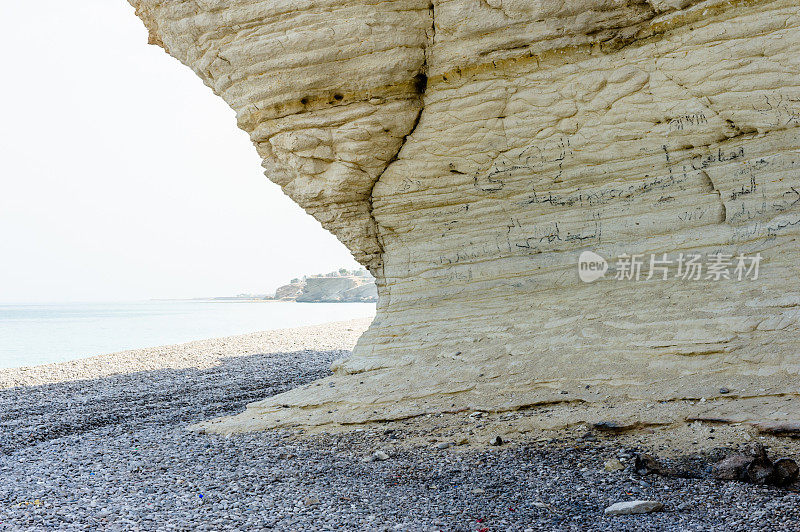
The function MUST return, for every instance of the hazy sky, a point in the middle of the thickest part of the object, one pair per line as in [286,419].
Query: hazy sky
[123,177]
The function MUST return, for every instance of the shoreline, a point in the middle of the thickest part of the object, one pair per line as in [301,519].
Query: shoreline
[200,354]
[110,451]
[256,300]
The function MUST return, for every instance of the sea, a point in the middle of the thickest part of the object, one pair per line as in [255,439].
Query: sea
[41,334]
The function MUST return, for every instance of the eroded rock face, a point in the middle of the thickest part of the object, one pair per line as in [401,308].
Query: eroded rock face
[327,91]
[468,151]
[347,288]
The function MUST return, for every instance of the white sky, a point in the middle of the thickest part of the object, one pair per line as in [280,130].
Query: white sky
[123,177]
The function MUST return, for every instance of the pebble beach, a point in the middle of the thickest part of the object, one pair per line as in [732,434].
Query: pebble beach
[101,444]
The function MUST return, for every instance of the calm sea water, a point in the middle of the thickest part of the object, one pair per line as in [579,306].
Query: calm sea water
[40,334]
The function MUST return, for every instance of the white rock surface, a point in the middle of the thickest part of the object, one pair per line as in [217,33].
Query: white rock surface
[468,152]
[334,289]
[325,289]
[634,507]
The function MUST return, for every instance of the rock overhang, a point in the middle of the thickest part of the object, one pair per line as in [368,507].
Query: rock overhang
[542,130]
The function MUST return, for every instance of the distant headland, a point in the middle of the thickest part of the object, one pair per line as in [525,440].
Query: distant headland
[341,286]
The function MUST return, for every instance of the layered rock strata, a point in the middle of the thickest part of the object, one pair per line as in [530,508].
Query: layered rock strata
[330,288]
[468,151]
[343,289]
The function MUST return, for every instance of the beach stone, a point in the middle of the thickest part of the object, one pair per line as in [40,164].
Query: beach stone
[613,465]
[756,451]
[645,464]
[505,169]
[785,472]
[749,464]
[760,471]
[634,507]
[753,465]
[380,455]
[733,467]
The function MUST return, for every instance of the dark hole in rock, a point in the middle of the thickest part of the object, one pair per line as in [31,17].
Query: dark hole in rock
[420,82]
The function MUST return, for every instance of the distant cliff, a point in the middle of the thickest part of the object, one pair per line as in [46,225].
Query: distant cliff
[335,287]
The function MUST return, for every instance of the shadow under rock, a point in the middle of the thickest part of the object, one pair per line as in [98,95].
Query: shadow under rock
[167,397]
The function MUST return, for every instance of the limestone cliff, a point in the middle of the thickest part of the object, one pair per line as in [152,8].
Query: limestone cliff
[346,288]
[468,151]
[289,292]
[331,288]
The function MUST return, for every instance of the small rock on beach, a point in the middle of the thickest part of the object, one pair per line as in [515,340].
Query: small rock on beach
[634,507]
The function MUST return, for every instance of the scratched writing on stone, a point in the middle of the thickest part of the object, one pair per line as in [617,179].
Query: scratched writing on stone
[686,121]
[529,159]
[783,109]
